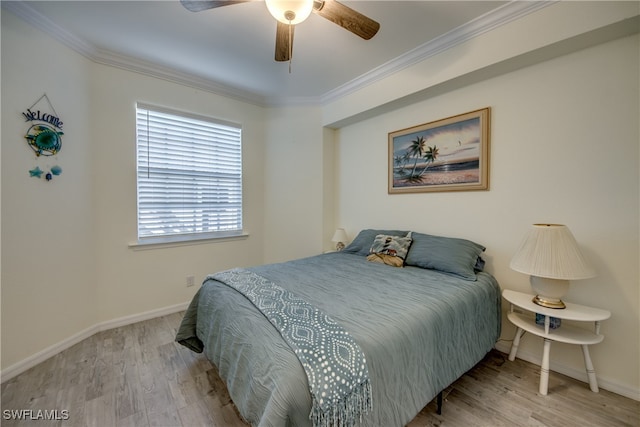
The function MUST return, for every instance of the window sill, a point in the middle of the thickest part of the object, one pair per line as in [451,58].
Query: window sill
[177,241]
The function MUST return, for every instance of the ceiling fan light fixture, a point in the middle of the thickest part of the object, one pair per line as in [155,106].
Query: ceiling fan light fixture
[290,12]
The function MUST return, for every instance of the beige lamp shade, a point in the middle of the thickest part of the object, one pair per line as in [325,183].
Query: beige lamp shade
[550,255]
[550,250]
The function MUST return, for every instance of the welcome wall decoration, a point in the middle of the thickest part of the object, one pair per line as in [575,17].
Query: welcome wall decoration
[44,136]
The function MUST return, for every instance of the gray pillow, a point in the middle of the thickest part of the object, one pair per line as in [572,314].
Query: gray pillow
[363,241]
[451,255]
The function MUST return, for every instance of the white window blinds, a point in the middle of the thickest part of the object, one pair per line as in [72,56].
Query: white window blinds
[189,176]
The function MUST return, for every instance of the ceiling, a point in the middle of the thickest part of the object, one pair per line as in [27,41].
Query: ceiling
[230,49]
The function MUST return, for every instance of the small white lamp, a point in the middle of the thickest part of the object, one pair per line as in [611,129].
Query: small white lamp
[339,238]
[290,12]
[550,255]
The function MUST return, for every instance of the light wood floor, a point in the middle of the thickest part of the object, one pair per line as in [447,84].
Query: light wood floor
[137,375]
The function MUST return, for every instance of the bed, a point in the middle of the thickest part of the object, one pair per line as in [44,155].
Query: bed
[421,326]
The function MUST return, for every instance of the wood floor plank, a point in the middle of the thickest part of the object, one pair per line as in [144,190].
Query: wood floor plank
[129,394]
[166,417]
[136,375]
[183,388]
[196,414]
[100,411]
[497,400]
[139,419]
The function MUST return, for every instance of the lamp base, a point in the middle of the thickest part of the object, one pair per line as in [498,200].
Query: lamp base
[549,291]
[548,302]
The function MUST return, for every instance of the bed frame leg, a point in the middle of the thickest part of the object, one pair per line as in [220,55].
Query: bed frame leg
[439,404]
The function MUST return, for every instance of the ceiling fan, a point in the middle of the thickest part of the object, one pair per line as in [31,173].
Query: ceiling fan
[291,12]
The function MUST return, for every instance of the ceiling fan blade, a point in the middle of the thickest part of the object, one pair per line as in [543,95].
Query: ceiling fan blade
[347,18]
[200,5]
[283,42]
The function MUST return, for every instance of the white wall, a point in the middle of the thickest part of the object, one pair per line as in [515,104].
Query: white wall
[294,183]
[47,227]
[564,148]
[66,260]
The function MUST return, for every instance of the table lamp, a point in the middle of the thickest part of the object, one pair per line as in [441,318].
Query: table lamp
[339,238]
[550,255]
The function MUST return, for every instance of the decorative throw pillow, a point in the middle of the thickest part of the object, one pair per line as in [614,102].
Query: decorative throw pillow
[361,245]
[391,260]
[451,255]
[390,250]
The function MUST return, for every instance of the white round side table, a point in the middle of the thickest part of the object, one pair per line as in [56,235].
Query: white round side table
[565,333]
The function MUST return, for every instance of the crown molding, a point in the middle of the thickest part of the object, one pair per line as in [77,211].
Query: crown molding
[41,22]
[174,76]
[500,16]
[105,57]
[491,20]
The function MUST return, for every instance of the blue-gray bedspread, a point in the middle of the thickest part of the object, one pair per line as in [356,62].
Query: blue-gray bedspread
[419,329]
[336,368]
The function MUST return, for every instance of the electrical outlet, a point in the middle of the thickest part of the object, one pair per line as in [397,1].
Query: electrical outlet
[191,280]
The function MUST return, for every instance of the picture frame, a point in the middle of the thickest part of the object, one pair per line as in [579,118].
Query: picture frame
[450,154]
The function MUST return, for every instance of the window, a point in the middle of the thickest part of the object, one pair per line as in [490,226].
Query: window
[189,176]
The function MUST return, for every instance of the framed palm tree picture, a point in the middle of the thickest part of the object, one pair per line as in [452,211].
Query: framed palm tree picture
[451,154]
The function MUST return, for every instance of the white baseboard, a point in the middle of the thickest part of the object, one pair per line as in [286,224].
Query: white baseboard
[41,356]
[580,375]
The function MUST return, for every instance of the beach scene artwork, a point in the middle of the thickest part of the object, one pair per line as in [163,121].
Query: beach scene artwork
[446,155]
